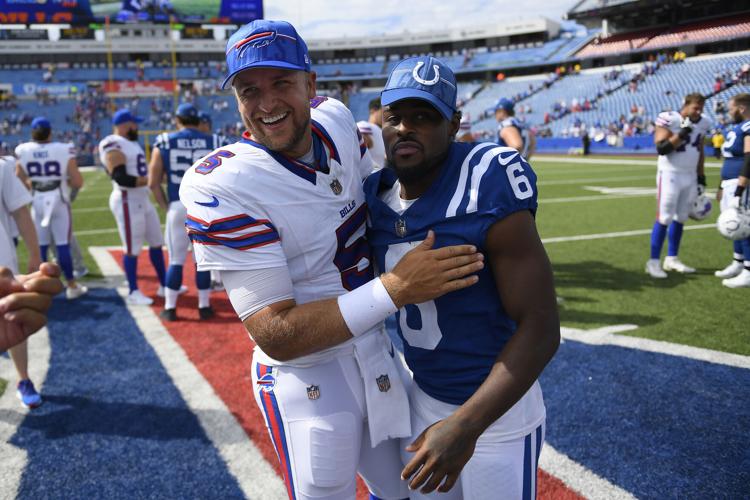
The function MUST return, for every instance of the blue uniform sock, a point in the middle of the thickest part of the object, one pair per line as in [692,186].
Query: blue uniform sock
[737,245]
[174,277]
[746,249]
[44,250]
[130,263]
[65,260]
[203,280]
[658,233]
[157,259]
[675,235]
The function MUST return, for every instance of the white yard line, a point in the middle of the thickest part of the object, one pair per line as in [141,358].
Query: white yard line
[608,336]
[253,473]
[594,197]
[14,459]
[619,234]
[607,161]
[578,477]
[596,179]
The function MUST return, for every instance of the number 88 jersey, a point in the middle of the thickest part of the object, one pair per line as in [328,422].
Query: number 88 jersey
[451,343]
[45,161]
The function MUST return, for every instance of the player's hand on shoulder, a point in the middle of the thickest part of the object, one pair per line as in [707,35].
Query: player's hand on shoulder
[686,128]
[440,454]
[424,273]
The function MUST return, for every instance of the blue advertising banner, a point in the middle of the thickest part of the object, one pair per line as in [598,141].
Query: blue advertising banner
[56,89]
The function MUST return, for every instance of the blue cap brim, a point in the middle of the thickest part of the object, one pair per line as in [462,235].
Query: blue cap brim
[260,64]
[388,97]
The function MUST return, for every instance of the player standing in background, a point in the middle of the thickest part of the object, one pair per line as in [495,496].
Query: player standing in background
[136,217]
[281,214]
[511,132]
[679,179]
[733,190]
[172,155]
[14,201]
[373,127]
[464,130]
[50,171]
[477,409]
[204,122]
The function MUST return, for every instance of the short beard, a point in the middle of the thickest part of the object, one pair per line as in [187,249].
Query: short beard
[273,144]
[132,134]
[416,173]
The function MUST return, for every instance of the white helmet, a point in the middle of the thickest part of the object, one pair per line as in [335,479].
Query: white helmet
[734,224]
[701,207]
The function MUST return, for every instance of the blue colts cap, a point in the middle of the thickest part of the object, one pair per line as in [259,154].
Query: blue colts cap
[505,103]
[187,110]
[265,44]
[425,78]
[204,117]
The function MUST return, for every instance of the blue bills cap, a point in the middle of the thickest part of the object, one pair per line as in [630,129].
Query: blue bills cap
[124,116]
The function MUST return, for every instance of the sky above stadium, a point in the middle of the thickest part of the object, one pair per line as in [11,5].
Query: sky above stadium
[334,19]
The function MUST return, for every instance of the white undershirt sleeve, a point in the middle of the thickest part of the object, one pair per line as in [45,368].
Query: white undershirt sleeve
[251,291]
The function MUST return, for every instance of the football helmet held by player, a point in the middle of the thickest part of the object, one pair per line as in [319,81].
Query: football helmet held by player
[702,207]
[734,224]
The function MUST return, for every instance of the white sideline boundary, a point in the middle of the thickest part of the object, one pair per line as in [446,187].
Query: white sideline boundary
[13,460]
[619,234]
[608,336]
[253,473]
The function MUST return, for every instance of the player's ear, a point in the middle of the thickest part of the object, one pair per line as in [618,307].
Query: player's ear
[311,79]
[454,124]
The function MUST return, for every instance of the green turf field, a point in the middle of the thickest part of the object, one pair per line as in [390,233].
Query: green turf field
[602,281]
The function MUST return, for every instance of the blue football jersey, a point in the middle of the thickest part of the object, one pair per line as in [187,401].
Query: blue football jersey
[733,150]
[451,343]
[179,150]
[514,122]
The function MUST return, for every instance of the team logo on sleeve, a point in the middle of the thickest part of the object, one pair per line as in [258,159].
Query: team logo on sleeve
[313,392]
[384,383]
[266,382]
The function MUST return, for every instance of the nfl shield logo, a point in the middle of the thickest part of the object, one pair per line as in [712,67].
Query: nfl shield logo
[401,228]
[336,186]
[384,383]
[313,392]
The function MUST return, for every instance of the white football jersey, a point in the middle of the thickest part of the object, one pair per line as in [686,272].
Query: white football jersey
[45,162]
[250,208]
[135,163]
[685,157]
[13,195]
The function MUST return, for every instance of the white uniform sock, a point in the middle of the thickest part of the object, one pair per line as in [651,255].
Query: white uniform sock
[203,298]
[170,298]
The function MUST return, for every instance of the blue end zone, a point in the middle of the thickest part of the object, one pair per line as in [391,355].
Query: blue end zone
[113,425]
[655,425]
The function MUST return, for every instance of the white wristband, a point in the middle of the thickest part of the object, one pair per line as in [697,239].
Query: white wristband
[366,306]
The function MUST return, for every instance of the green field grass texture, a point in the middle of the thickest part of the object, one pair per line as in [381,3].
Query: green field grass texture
[602,281]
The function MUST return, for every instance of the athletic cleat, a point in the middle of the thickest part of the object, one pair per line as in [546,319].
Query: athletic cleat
[654,269]
[168,315]
[28,395]
[217,286]
[732,270]
[206,312]
[160,291]
[742,280]
[80,273]
[74,293]
[674,264]
[136,298]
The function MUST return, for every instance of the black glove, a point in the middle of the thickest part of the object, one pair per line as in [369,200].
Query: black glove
[685,129]
[702,180]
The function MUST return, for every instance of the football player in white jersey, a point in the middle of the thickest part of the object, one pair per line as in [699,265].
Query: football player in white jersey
[478,414]
[14,201]
[50,171]
[679,179]
[281,214]
[136,217]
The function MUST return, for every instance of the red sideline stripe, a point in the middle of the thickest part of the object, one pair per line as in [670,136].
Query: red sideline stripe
[221,350]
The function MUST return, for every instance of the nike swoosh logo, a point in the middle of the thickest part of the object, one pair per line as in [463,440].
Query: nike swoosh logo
[212,203]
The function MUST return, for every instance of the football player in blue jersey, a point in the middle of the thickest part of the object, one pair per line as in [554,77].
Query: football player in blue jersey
[511,132]
[477,410]
[173,154]
[735,172]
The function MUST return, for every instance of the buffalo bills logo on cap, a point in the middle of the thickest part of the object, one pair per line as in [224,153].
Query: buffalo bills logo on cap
[424,81]
[255,41]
